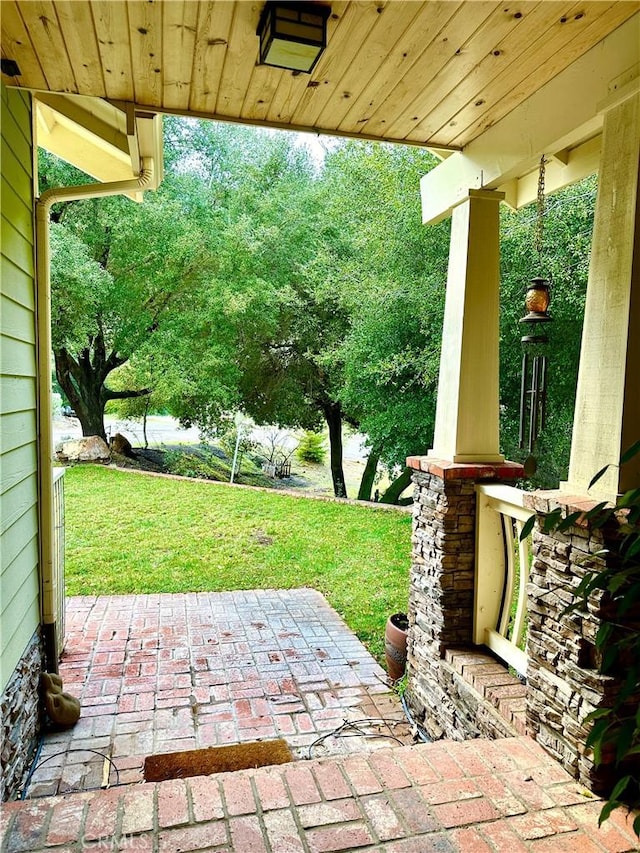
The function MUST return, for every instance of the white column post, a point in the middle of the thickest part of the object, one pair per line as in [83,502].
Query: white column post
[607,413]
[467,411]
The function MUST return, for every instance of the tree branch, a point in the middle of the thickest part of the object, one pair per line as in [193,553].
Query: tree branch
[126,395]
[114,360]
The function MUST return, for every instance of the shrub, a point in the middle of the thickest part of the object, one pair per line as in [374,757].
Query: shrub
[311,448]
[202,465]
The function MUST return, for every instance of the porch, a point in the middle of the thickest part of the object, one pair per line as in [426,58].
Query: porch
[581,109]
[163,673]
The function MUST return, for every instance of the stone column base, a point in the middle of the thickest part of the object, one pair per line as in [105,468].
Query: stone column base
[21,720]
[564,682]
[442,593]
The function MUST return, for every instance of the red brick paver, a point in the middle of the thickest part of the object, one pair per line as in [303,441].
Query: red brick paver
[167,672]
[293,809]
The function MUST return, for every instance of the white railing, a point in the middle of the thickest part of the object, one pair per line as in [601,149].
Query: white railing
[58,556]
[502,573]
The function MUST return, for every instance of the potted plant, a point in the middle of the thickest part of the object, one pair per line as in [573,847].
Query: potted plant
[395,645]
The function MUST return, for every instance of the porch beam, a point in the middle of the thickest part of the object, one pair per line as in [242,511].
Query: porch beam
[467,410]
[75,110]
[563,168]
[103,140]
[564,113]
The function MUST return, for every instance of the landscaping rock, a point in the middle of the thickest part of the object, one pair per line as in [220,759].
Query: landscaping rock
[89,449]
[120,444]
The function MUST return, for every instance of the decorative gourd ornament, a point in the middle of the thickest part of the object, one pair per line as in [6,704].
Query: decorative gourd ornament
[63,708]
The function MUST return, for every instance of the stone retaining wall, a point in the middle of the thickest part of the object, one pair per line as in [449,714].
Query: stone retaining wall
[21,720]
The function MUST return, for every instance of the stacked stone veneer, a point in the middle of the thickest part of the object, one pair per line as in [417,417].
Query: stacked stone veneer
[564,684]
[21,720]
[447,703]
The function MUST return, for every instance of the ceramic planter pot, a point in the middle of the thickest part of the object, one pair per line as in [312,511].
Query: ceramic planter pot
[395,645]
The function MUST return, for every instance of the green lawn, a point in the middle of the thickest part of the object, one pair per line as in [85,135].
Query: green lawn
[128,533]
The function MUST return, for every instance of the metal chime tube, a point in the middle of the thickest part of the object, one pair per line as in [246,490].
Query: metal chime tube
[523,398]
[533,394]
[533,403]
[543,392]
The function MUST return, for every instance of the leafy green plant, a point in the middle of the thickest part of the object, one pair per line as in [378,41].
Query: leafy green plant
[400,686]
[246,444]
[201,464]
[311,448]
[615,733]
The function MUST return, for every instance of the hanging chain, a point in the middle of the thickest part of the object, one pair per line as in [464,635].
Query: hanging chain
[540,213]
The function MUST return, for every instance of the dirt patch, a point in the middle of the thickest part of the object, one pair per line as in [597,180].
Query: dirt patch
[262,538]
[218,759]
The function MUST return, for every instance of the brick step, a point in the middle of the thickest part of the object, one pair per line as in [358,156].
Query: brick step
[493,682]
[447,796]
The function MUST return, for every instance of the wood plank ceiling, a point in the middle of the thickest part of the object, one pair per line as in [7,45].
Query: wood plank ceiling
[431,73]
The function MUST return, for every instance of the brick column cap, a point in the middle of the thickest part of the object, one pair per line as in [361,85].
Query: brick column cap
[545,501]
[466,470]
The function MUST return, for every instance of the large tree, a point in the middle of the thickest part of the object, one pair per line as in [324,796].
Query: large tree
[303,293]
[393,290]
[276,249]
[122,276]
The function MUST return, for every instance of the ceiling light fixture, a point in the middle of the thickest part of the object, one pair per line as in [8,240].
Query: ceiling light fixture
[292,35]
[10,68]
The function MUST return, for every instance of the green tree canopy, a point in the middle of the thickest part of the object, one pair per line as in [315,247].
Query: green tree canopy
[301,292]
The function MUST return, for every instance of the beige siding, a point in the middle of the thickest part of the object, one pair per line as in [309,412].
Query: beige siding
[19,583]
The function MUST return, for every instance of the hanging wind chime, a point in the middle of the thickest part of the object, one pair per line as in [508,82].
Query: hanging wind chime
[533,389]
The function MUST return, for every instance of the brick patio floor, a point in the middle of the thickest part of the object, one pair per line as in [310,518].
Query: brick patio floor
[474,797]
[168,672]
[163,673]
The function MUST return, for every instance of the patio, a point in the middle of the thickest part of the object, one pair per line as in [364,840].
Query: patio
[163,673]
[497,90]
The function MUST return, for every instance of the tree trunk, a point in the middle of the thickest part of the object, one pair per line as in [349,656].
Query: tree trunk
[392,494]
[83,381]
[368,476]
[333,417]
[144,422]
[83,390]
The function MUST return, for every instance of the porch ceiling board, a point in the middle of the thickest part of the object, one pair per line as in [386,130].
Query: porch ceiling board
[429,72]
[535,63]
[500,56]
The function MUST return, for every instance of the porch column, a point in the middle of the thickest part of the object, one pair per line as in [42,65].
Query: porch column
[467,410]
[466,451]
[607,412]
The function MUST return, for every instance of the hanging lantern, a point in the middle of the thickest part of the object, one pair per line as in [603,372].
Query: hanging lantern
[292,35]
[537,300]
[533,387]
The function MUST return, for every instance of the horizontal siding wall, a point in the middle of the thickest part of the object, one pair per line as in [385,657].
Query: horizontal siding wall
[19,581]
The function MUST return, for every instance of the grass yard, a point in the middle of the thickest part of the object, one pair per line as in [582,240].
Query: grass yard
[130,533]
